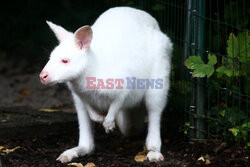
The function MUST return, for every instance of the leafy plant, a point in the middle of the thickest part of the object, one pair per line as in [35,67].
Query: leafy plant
[235,64]
[241,132]
[186,128]
[229,122]
[238,47]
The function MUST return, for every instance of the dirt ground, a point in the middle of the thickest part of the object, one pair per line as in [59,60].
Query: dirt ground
[115,150]
[20,86]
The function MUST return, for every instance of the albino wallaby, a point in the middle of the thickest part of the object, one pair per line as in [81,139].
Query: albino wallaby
[113,67]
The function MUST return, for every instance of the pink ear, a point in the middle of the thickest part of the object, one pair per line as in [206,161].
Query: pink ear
[60,32]
[83,37]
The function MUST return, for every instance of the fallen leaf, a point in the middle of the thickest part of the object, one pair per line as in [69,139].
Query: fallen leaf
[90,164]
[207,162]
[25,91]
[75,164]
[201,159]
[1,147]
[141,156]
[7,151]
[48,110]
[34,140]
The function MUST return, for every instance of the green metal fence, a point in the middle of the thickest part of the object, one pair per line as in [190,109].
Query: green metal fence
[216,86]
[220,33]
[212,89]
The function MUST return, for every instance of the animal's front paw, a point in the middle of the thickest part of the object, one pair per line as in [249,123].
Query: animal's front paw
[94,116]
[99,119]
[155,156]
[68,155]
[108,125]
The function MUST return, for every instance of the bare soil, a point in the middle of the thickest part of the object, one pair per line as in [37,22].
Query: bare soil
[116,150]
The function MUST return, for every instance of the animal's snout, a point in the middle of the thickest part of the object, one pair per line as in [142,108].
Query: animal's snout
[44,77]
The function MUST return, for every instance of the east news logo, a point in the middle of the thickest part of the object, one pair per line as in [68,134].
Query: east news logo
[128,83]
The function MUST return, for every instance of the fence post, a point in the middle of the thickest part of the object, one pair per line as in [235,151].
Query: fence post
[189,44]
[197,40]
[200,90]
[186,48]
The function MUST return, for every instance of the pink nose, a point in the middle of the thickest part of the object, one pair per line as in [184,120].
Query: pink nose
[44,76]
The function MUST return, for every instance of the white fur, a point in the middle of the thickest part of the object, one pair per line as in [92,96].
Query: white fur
[126,43]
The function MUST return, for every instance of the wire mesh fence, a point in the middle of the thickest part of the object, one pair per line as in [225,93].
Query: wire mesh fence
[220,107]
[211,64]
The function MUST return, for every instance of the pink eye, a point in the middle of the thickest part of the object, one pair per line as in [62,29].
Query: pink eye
[65,61]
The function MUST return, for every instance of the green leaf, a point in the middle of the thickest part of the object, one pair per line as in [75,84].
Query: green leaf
[212,60]
[244,130]
[239,47]
[228,72]
[193,61]
[244,45]
[210,71]
[200,68]
[219,75]
[235,131]
[200,71]
[187,124]
[222,113]
[203,70]
[220,71]
[224,70]
[232,46]
[246,125]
